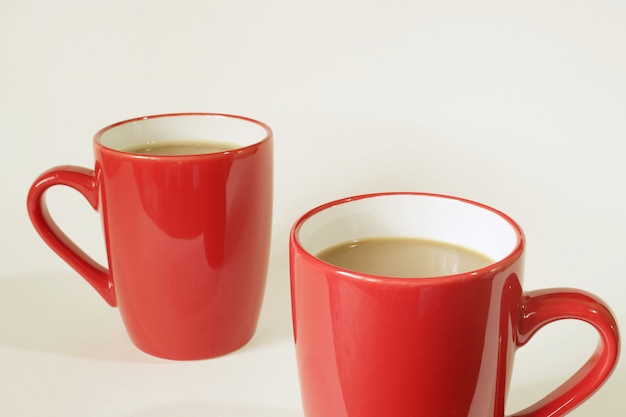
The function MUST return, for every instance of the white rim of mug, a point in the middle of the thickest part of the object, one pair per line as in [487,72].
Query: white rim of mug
[261,127]
[496,266]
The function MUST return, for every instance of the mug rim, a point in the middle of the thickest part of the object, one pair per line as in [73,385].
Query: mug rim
[493,268]
[97,138]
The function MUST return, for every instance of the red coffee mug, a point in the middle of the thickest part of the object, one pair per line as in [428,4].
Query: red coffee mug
[370,345]
[187,236]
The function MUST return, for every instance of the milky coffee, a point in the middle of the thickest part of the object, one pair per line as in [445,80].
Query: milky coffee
[182,147]
[404,257]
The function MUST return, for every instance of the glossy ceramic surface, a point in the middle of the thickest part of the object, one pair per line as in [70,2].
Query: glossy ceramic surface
[371,346]
[187,237]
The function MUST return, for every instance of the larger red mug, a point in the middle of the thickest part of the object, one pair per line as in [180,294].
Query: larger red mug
[187,236]
[374,345]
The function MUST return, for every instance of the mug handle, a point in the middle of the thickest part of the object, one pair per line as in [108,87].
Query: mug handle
[541,307]
[84,181]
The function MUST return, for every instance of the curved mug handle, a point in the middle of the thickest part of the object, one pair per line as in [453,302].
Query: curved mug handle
[84,181]
[541,307]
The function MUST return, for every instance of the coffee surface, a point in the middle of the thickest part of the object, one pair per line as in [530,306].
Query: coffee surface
[182,147]
[404,257]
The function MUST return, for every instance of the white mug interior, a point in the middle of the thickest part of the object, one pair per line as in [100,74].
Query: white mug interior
[425,216]
[183,127]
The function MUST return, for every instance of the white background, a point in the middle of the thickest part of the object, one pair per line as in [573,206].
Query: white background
[520,105]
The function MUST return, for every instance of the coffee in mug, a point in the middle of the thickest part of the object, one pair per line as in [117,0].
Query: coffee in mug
[182,147]
[404,257]
[382,330]
[186,205]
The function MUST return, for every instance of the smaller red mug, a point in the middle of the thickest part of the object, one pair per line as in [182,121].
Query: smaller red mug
[187,236]
[370,345]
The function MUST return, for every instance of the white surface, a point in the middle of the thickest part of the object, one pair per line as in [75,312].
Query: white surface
[519,105]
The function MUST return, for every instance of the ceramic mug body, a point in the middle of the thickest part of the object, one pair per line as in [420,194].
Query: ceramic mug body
[187,236]
[370,345]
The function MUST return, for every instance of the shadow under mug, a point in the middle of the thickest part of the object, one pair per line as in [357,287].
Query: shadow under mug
[187,236]
[371,346]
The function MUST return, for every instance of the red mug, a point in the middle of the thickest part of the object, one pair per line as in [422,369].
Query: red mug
[372,345]
[187,236]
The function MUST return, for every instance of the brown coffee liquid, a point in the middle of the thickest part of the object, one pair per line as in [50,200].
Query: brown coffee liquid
[404,257]
[182,147]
